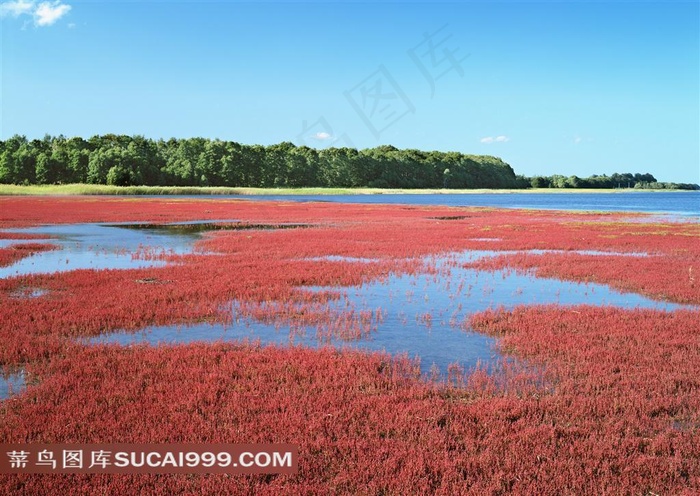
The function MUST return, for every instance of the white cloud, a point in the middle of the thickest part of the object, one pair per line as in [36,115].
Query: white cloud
[321,135]
[15,8]
[578,139]
[44,14]
[48,13]
[492,139]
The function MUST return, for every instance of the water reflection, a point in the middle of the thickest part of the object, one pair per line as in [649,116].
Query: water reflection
[117,246]
[98,246]
[672,205]
[421,314]
[11,384]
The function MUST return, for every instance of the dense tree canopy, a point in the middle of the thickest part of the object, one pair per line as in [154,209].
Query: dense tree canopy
[626,180]
[134,160]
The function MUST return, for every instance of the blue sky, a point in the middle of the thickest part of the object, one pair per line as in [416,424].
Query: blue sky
[551,87]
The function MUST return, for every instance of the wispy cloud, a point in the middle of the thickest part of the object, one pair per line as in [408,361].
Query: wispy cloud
[494,139]
[578,139]
[44,13]
[16,8]
[47,13]
[322,136]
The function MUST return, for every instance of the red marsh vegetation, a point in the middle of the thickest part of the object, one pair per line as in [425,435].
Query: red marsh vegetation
[17,251]
[600,400]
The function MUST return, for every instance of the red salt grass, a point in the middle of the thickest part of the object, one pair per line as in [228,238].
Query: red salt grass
[23,211]
[627,379]
[345,324]
[262,269]
[617,414]
[198,288]
[671,278]
[22,236]
[369,230]
[611,407]
[16,252]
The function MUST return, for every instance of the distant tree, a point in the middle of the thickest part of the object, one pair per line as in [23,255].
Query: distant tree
[558,181]
[45,169]
[119,175]
[573,182]
[446,178]
[539,182]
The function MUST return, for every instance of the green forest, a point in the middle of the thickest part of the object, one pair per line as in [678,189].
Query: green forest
[122,160]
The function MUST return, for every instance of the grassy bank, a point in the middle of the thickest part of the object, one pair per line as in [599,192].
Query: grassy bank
[100,189]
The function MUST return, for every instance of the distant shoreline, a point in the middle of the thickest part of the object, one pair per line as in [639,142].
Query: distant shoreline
[98,189]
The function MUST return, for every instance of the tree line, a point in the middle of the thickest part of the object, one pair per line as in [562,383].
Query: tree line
[135,160]
[614,181]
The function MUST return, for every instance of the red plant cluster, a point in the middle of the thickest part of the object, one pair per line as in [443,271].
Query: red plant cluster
[606,404]
[197,288]
[627,387]
[263,269]
[22,236]
[673,277]
[615,411]
[16,252]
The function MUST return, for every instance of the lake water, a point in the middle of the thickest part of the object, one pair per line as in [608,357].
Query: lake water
[96,246]
[421,314]
[676,203]
[12,383]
